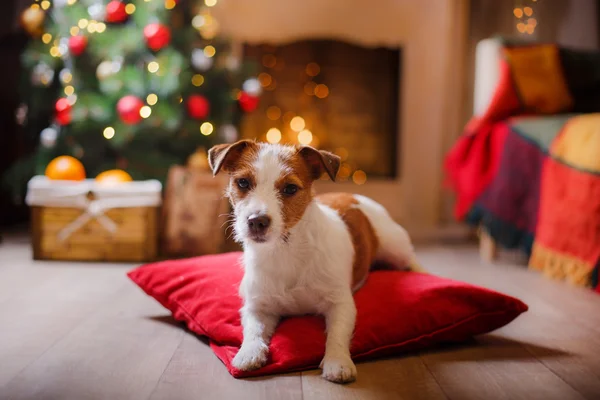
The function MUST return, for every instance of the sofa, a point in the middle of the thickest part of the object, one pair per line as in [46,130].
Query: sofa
[526,170]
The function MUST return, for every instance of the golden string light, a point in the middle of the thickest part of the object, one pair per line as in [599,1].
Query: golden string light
[359,177]
[297,124]
[109,132]
[152,99]
[130,8]
[46,38]
[321,91]
[169,4]
[209,51]
[309,88]
[197,80]
[273,135]
[74,31]
[153,66]
[145,112]
[69,90]
[305,137]
[342,152]
[91,28]
[206,128]
[54,52]
[313,69]
[265,79]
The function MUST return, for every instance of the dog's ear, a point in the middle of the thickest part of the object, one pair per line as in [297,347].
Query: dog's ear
[320,161]
[225,156]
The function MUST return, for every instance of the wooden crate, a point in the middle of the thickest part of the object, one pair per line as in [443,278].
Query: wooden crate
[134,230]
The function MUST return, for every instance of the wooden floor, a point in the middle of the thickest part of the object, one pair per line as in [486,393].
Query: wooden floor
[84,331]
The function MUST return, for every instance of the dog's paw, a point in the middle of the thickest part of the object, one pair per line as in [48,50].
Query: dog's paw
[338,369]
[251,356]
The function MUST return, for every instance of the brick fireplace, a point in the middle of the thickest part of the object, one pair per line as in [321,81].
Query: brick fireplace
[408,68]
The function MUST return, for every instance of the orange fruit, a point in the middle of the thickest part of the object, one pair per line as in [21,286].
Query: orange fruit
[65,168]
[113,176]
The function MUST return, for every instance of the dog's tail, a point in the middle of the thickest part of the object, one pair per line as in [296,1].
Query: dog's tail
[395,246]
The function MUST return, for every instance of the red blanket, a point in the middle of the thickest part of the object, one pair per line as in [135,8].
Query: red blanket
[529,173]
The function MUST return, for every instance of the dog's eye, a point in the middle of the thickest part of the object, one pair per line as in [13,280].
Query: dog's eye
[290,189]
[243,183]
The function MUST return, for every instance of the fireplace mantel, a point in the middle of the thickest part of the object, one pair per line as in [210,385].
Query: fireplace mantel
[432,35]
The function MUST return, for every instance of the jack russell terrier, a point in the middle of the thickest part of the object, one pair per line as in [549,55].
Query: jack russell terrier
[303,254]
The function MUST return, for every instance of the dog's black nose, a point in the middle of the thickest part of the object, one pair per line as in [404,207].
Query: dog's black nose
[258,225]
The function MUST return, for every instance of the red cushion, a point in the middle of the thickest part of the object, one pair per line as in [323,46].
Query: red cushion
[397,311]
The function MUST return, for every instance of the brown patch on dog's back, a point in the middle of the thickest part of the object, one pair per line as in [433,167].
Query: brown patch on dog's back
[363,235]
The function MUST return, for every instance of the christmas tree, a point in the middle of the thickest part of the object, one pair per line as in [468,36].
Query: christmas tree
[133,85]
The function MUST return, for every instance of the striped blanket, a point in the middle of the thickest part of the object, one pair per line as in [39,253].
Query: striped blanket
[528,169]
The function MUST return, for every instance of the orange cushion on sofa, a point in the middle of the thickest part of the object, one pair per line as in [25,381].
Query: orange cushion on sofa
[397,312]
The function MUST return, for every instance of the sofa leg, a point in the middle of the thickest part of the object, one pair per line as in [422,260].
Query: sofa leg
[488,250]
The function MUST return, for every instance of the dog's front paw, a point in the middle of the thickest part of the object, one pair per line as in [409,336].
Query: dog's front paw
[251,356]
[338,369]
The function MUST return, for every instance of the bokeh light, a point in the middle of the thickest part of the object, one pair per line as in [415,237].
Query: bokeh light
[145,112]
[209,51]
[153,66]
[305,137]
[197,80]
[152,99]
[273,113]
[130,8]
[359,177]
[273,135]
[321,91]
[297,124]
[206,128]
[518,12]
[109,132]
[313,69]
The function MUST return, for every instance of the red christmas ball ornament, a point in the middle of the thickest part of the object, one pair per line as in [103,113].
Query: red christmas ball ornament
[63,111]
[247,102]
[77,45]
[157,36]
[198,106]
[115,12]
[128,108]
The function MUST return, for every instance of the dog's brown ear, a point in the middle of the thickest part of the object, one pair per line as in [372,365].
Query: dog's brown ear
[320,161]
[226,156]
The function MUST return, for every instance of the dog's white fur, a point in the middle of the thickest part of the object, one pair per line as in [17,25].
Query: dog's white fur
[310,273]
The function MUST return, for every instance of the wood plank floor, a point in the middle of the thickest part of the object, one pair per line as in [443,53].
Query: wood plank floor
[84,331]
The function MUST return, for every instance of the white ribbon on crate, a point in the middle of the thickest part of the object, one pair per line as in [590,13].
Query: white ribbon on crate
[46,193]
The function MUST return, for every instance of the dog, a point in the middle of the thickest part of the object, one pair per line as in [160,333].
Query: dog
[302,253]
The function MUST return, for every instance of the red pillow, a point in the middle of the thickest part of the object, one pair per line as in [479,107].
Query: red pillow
[397,311]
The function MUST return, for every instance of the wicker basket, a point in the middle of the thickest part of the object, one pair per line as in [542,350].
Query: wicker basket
[87,221]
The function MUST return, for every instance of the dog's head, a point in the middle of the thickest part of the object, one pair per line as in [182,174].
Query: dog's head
[270,185]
